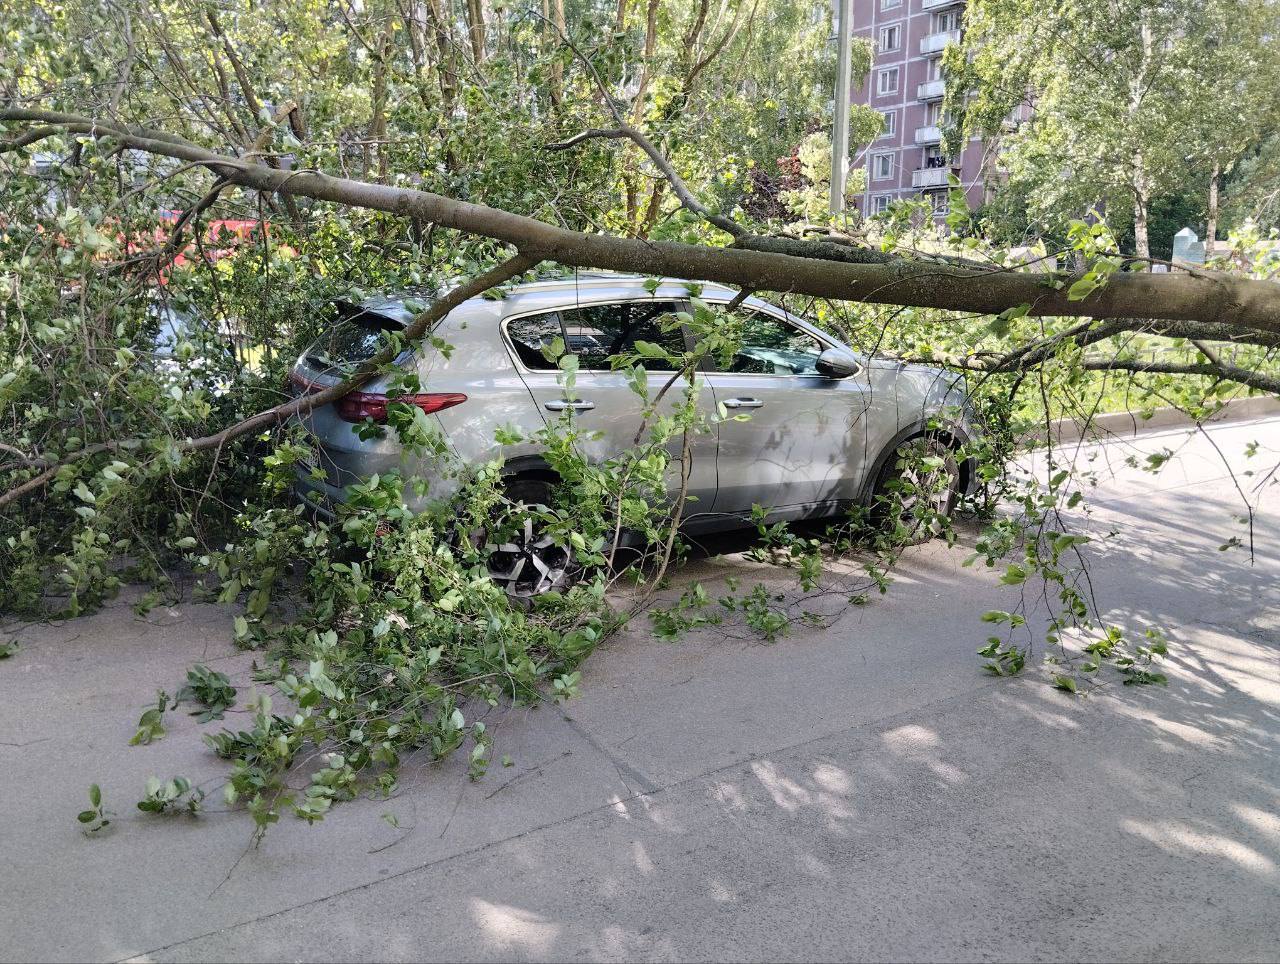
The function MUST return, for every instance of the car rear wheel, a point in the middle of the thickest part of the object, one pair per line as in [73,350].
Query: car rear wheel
[521,556]
[918,486]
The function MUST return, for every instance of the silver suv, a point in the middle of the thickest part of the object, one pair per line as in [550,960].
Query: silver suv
[825,421]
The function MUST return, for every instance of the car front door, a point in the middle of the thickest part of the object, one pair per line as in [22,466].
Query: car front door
[804,441]
[603,404]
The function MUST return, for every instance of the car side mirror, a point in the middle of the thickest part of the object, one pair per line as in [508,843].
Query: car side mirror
[838,363]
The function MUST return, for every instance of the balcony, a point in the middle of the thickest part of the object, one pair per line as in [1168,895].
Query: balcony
[928,135]
[932,176]
[934,42]
[931,89]
[939,4]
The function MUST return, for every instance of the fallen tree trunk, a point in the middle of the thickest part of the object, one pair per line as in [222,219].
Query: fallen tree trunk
[1235,303]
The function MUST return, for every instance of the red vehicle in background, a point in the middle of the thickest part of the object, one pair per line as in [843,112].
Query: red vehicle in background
[217,239]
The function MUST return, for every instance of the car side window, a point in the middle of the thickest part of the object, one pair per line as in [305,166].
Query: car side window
[530,335]
[596,332]
[770,346]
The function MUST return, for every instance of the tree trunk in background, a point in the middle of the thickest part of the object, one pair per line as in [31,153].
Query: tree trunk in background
[554,29]
[1141,182]
[378,122]
[630,173]
[1211,228]
[1141,244]
[475,28]
[650,45]
[444,50]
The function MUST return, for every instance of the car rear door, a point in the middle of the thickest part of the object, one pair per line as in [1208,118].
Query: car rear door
[603,402]
[804,442]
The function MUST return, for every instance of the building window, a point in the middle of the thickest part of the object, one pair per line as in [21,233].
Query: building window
[935,69]
[933,157]
[946,20]
[880,203]
[887,81]
[890,123]
[881,166]
[890,4]
[890,38]
[938,201]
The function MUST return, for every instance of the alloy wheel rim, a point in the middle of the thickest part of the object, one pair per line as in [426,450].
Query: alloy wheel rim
[530,564]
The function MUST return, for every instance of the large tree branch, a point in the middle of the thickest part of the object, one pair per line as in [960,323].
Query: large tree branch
[1238,303]
[1091,332]
[1233,373]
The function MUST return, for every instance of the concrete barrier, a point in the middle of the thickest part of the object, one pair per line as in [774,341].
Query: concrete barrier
[1130,424]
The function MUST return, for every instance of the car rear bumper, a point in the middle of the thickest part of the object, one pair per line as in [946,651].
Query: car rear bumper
[318,497]
[324,498]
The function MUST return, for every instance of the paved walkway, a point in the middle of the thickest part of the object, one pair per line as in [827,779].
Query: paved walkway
[861,792]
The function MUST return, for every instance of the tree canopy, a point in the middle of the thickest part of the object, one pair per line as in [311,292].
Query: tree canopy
[1112,106]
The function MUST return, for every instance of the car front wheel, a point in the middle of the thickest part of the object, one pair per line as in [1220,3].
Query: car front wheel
[918,488]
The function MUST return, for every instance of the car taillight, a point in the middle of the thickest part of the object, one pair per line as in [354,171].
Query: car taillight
[357,406]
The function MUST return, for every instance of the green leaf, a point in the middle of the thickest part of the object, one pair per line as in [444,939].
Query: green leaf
[1065,683]
[649,350]
[553,349]
[1014,575]
[1082,288]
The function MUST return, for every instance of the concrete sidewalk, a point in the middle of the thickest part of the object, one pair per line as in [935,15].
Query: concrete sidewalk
[862,792]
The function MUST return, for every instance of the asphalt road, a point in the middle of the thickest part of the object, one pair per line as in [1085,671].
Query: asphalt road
[861,792]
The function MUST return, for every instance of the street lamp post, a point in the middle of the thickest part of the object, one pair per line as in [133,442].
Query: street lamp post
[840,124]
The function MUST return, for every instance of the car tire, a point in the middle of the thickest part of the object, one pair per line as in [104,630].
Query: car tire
[528,563]
[938,489]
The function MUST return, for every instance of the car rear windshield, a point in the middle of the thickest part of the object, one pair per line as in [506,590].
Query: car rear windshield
[354,337]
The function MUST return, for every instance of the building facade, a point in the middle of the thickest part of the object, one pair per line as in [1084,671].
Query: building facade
[906,85]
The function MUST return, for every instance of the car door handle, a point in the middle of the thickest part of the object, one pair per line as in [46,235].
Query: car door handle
[563,405]
[743,403]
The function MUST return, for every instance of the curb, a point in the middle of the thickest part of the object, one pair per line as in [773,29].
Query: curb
[1131,425]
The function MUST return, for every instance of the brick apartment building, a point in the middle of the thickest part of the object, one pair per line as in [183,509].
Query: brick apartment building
[906,86]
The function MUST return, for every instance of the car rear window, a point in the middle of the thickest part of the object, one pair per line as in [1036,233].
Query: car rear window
[531,335]
[355,337]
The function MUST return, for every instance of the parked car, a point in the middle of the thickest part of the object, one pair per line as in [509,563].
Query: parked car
[826,423]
